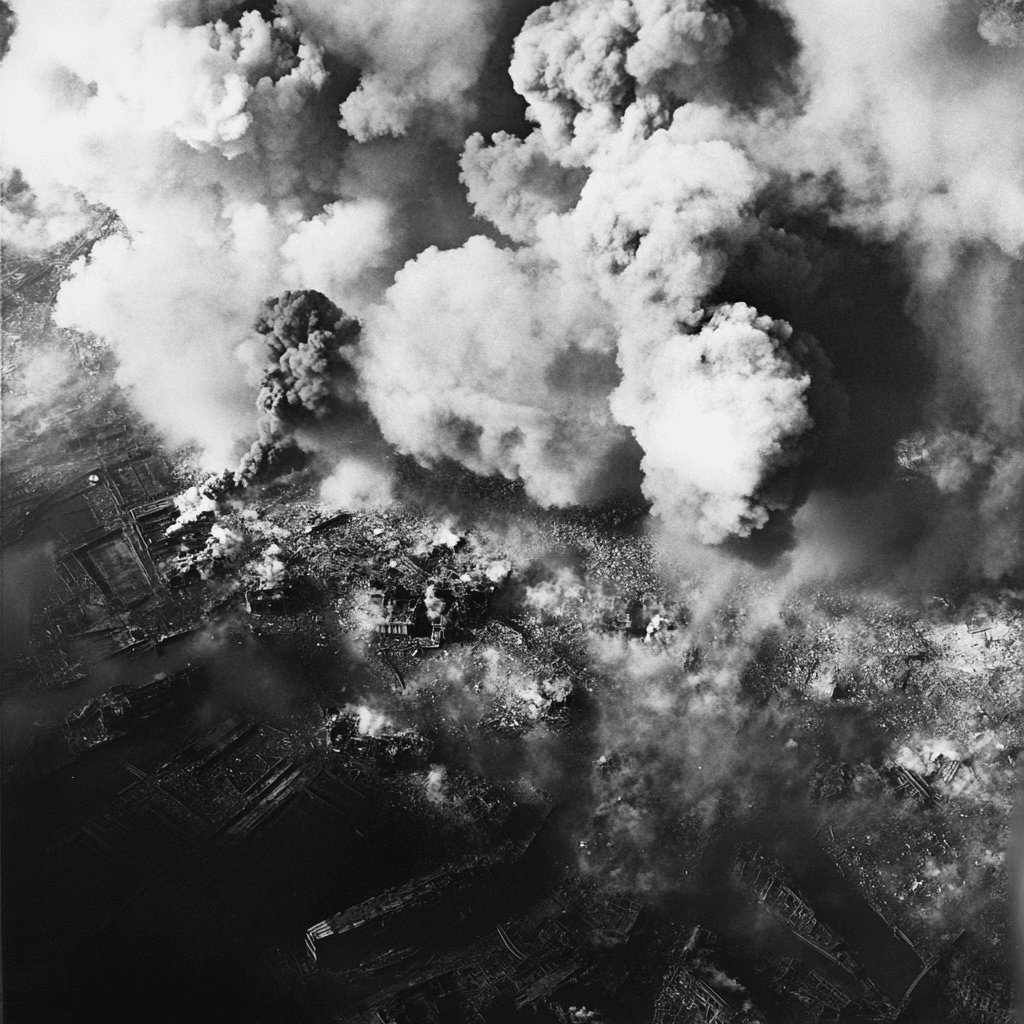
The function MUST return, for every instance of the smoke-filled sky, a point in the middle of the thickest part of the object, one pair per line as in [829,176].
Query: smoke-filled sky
[761,255]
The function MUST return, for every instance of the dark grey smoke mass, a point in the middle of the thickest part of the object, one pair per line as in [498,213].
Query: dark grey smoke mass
[309,383]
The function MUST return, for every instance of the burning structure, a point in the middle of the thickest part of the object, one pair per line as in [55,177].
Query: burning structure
[409,621]
[385,748]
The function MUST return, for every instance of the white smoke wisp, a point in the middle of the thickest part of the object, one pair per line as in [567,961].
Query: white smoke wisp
[354,484]
[434,784]
[446,536]
[434,603]
[271,569]
[562,596]
[372,723]
[191,504]
[489,686]
[225,543]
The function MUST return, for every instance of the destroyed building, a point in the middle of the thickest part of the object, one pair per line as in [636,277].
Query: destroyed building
[386,749]
[684,998]
[906,782]
[769,882]
[290,597]
[609,914]
[398,612]
[409,620]
[107,531]
[696,989]
[926,789]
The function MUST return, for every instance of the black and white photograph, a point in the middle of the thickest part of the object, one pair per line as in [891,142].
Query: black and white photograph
[511,512]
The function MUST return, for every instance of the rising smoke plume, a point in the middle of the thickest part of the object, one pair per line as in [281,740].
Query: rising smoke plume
[652,282]
[307,342]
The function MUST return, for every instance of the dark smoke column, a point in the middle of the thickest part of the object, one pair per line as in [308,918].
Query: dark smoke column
[309,381]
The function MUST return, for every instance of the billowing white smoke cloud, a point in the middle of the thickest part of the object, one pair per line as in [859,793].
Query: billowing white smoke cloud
[914,106]
[514,183]
[581,63]
[173,302]
[204,140]
[414,54]
[623,202]
[713,412]
[915,111]
[497,359]
[209,143]
[217,144]
[642,175]
[340,252]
